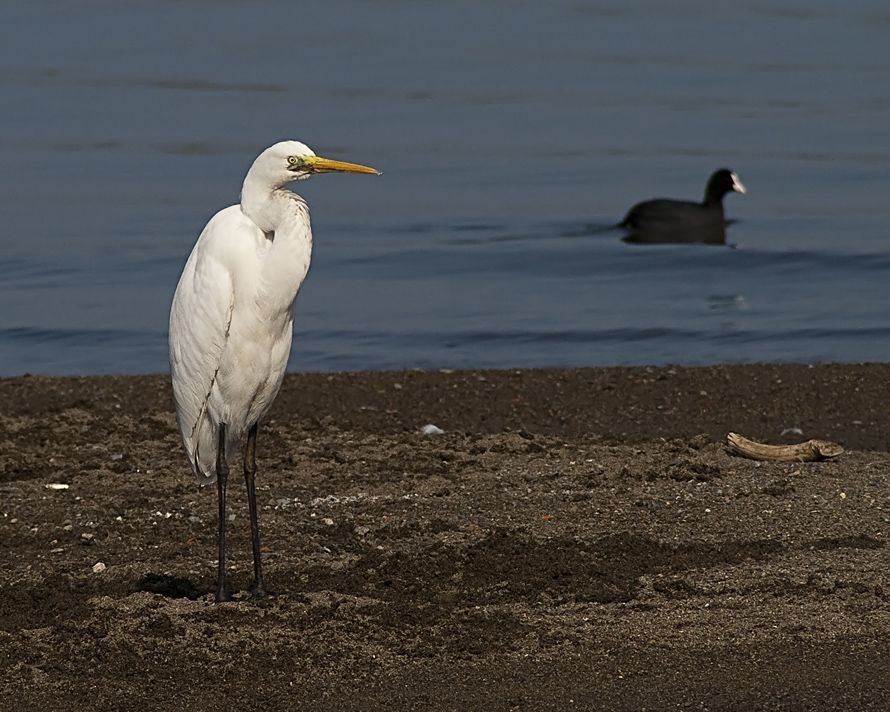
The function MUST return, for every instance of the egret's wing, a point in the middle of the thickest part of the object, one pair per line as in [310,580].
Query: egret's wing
[200,318]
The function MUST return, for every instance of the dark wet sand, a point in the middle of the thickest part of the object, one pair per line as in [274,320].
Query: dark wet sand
[578,539]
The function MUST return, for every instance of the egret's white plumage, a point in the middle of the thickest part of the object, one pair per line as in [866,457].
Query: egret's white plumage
[231,321]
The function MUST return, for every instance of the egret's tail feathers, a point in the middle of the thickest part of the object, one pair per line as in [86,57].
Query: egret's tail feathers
[203,450]
[203,475]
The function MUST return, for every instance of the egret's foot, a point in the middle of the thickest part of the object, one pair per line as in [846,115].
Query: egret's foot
[223,596]
[259,592]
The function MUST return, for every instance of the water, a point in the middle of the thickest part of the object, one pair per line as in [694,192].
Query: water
[510,134]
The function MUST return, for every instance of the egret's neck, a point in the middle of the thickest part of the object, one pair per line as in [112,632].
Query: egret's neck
[284,217]
[269,206]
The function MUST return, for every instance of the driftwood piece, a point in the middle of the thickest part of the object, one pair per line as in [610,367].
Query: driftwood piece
[810,451]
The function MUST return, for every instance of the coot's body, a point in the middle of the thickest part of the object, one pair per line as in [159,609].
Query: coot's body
[664,215]
[705,233]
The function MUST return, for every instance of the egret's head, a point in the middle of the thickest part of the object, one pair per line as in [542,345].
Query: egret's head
[288,161]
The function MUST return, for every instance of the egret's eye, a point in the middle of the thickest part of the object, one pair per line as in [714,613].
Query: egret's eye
[293,160]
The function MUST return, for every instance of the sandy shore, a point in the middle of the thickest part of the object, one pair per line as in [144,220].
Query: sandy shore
[577,539]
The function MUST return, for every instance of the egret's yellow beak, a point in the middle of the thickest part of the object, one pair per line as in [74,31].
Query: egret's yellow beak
[317,164]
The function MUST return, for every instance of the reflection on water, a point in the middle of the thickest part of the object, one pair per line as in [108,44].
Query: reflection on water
[706,234]
[511,136]
[727,302]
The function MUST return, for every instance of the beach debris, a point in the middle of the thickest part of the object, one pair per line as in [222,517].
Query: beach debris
[809,451]
[99,567]
[57,486]
[430,429]
[790,431]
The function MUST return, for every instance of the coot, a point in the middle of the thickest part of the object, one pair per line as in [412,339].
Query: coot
[664,214]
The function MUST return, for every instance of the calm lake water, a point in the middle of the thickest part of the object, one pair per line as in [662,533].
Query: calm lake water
[510,135]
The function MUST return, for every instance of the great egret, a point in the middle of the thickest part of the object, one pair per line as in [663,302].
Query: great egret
[231,322]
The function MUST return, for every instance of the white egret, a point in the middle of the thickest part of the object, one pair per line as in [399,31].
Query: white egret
[231,323]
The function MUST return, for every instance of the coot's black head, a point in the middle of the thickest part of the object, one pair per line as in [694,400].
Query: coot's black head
[720,183]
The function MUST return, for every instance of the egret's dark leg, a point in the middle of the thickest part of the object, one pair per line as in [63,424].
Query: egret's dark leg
[249,479]
[222,473]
